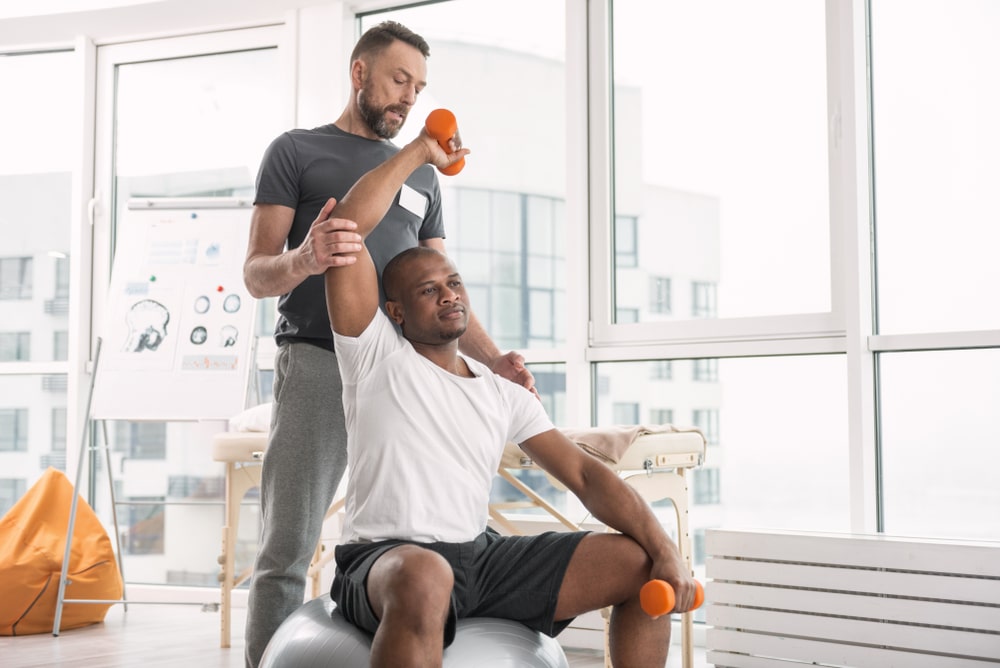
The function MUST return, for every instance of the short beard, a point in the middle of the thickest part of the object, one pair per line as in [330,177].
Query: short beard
[451,336]
[375,118]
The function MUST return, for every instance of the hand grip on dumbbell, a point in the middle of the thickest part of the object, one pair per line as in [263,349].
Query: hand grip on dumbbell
[657,597]
[442,126]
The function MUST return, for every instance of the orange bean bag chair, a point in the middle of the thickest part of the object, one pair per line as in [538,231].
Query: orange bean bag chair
[32,546]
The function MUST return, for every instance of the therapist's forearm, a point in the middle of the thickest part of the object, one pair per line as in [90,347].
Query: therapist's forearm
[477,344]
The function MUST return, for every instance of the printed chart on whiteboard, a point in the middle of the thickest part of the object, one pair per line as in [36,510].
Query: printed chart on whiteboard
[177,341]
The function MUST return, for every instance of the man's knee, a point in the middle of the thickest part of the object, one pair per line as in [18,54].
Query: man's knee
[606,569]
[411,580]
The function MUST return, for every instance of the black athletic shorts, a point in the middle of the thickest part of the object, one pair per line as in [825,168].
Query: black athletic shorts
[510,577]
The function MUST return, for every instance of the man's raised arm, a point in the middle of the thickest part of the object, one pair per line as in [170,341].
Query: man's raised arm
[352,296]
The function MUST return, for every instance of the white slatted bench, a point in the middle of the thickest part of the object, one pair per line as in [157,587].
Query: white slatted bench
[782,599]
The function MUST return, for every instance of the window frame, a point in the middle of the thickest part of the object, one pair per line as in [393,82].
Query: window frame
[826,332]
[845,329]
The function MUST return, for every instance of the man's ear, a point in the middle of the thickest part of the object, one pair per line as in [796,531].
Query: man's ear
[395,311]
[359,71]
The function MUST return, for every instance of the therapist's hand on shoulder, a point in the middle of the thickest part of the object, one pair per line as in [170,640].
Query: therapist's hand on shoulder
[511,366]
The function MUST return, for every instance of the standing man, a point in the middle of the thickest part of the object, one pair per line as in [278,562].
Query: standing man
[288,254]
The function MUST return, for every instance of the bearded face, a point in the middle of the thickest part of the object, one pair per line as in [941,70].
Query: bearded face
[385,121]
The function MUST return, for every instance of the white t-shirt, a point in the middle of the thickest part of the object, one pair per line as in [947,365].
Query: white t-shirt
[423,444]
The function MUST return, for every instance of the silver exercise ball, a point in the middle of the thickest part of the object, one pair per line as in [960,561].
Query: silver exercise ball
[312,637]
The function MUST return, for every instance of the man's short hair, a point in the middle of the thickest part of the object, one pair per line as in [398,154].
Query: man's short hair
[394,271]
[377,38]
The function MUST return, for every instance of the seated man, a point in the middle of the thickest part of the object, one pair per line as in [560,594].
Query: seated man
[426,429]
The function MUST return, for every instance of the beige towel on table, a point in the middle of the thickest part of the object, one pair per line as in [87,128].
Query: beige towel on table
[609,443]
[606,443]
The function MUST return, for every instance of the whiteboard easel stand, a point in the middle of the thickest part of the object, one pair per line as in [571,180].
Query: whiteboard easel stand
[153,220]
[63,576]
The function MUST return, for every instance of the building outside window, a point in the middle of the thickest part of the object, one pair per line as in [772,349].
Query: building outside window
[15,346]
[626,242]
[705,486]
[659,295]
[661,415]
[15,277]
[661,370]
[705,370]
[707,420]
[625,413]
[703,300]
[141,440]
[11,490]
[13,429]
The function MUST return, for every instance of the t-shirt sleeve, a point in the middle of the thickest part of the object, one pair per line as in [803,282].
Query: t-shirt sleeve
[358,355]
[278,176]
[528,416]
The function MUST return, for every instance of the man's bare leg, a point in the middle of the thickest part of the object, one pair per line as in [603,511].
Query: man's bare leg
[410,592]
[610,569]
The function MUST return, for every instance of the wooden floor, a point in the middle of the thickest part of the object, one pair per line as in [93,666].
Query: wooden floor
[158,636]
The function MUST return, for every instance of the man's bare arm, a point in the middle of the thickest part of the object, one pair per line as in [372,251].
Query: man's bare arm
[614,503]
[352,290]
[270,270]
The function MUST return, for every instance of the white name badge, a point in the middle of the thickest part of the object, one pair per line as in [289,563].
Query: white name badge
[412,201]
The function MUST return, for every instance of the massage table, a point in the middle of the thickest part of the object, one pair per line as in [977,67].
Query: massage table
[652,459]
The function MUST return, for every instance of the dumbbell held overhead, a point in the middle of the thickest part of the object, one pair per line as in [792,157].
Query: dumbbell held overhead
[657,597]
[442,126]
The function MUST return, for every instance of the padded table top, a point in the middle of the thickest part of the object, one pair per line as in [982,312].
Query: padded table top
[238,446]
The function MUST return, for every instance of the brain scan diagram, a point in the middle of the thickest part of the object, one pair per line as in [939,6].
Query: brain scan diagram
[147,321]
[228,336]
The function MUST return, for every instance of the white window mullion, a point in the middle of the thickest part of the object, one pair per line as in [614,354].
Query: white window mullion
[850,195]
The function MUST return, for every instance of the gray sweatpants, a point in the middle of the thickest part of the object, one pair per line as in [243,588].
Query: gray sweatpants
[305,460]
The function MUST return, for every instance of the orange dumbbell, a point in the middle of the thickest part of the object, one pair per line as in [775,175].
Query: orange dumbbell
[657,597]
[442,126]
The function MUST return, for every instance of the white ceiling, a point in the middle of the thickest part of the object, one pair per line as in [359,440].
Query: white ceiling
[52,25]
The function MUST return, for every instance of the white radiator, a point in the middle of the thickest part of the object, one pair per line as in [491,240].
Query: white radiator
[782,599]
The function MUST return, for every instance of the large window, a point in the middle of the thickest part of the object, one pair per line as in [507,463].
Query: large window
[669,208]
[935,140]
[935,105]
[782,451]
[39,136]
[939,443]
[720,158]
[178,118]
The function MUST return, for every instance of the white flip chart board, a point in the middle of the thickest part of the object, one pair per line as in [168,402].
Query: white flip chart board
[179,332]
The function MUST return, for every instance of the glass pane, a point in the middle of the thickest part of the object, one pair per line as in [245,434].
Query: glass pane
[493,205]
[35,189]
[936,141]
[939,437]
[777,456]
[171,501]
[550,381]
[267,315]
[32,431]
[213,117]
[720,165]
